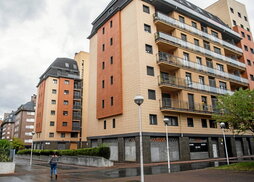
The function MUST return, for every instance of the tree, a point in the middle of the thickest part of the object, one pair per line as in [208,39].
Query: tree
[17,144]
[237,110]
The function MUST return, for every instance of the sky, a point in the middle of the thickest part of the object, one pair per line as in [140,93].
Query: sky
[35,32]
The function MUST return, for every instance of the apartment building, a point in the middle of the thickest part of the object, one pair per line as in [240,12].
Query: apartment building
[178,57]
[24,121]
[235,15]
[7,126]
[59,106]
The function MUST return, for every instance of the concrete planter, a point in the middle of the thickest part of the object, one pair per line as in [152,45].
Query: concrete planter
[7,167]
[76,160]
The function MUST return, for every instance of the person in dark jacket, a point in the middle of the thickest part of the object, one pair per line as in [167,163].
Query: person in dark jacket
[53,165]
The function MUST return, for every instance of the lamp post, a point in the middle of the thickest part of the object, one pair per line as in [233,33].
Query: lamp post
[31,157]
[222,126]
[166,121]
[139,100]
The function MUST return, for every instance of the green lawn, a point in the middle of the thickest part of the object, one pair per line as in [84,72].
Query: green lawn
[242,166]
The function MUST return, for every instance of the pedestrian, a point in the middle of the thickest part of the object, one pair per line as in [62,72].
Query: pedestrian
[53,165]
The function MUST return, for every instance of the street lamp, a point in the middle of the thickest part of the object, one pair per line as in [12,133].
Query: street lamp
[139,100]
[166,121]
[31,157]
[222,126]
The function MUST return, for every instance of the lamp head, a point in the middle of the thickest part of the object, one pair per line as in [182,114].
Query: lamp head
[166,121]
[222,125]
[33,132]
[139,100]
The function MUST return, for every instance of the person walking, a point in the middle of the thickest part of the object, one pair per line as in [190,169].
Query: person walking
[53,165]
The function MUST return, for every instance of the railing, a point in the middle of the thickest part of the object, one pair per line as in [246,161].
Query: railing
[174,40]
[76,106]
[76,116]
[168,103]
[170,59]
[184,83]
[77,96]
[77,128]
[174,22]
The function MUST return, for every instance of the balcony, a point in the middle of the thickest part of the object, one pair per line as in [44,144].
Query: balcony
[178,42]
[173,22]
[77,96]
[77,86]
[171,81]
[76,116]
[76,107]
[165,58]
[173,105]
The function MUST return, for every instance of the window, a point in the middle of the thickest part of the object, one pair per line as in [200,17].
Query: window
[147,28]
[245,18]
[66,102]
[201,80]
[149,49]
[103,65]
[181,19]
[103,84]
[66,92]
[111,60]
[206,45]
[223,85]
[248,29]
[114,123]
[249,38]
[51,135]
[209,63]
[183,37]
[188,78]
[252,50]
[111,24]
[150,71]
[53,101]
[232,10]
[186,56]
[239,14]
[220,67]
[243,34]
[111,41]
[64,124]
[252,77]
[52,123]
[249,62]
[54,81]
[52,112]
[103,30]
[66,82]
[242,26]
[112,101]
[103,47]
[190,122]
[102,104]
[151,94]
[215,34]
[234,22]
[62,135]
[204,123]
[217,50]
[196,42]
[74,135]
[153,119]
[194,24]
[212,124]
[173,121]
[75,66]
[53,91]
[146,9]
[212,81]
[111,80]
[246,48]
[199,60]
[65,113]
[105,124]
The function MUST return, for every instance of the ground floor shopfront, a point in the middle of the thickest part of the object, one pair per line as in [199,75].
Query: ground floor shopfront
[125,148]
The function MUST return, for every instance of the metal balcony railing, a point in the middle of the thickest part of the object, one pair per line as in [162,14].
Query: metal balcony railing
[176,23]
[76,116]
[77,96]
[168,80]
[76,106]
[170,59]
[179,42]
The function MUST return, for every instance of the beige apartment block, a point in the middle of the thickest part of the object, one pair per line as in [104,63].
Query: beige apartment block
[176,55]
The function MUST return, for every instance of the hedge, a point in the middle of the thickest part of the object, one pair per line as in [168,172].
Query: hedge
[102,151]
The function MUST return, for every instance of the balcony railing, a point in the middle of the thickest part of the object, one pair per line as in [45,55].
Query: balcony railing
[170,59]
[179,42]
[174,22]
[77,128]
[76,106]
[76,116]
[173,104]
[168,80]
[77,96]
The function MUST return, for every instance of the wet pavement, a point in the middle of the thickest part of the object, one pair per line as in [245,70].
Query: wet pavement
[39,172]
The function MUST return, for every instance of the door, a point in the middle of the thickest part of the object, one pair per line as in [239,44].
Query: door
[239,147]
[215,151]
[130,149]
[191,101]
[204,103]
[166,100]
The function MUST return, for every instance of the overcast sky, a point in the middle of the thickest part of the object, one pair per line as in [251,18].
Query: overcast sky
[33,33]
